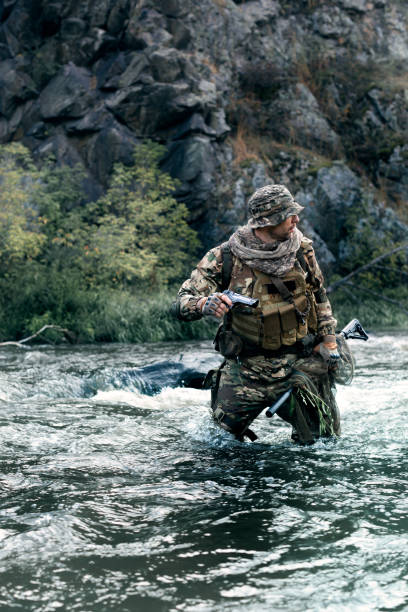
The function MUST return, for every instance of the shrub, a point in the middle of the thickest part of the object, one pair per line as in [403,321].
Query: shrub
[63,260]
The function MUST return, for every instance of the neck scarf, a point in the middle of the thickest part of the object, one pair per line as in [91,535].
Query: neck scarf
[274,258]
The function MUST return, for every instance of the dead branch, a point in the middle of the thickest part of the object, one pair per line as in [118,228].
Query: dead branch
[67,333]
[339,282]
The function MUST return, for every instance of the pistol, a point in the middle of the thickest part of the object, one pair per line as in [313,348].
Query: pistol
[237,298]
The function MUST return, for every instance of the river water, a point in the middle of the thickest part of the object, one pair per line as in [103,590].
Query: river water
[112,499]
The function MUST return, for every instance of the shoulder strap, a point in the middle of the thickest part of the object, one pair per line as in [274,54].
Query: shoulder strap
[286,294]
[301,259]
[226,265]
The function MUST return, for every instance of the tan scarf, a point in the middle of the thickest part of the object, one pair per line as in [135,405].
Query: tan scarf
[273,258]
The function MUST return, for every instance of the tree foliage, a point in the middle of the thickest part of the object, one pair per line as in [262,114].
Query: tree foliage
[21,236]
[59,254]
[140,233]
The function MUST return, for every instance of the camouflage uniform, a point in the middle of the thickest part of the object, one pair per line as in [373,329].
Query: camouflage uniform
[254,379]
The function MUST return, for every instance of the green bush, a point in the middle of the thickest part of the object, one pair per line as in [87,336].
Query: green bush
[83,265]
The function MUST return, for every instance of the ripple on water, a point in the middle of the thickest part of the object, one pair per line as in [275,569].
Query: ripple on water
[114,500]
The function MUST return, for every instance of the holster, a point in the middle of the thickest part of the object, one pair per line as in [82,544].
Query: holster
[307,345]
[212,382]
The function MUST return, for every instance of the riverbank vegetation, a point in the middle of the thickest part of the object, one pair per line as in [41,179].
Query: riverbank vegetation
[107,271]
[89,267]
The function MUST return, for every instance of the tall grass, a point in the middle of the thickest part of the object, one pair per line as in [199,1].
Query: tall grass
[373,314]
[123,317]
[119,316]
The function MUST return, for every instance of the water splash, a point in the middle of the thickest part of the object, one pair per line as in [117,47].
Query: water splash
[112,499]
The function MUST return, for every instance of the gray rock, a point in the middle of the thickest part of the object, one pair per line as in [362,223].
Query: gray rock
[6,8]
[192,161]
[109,70]
[38,130]
[72,28]
[133,71]
[189,158]
[324,256]
[304,122]
[260,12]
[117,17]
[165,65]
[181,33]
[193,125]
[96,44]
[69,94]
[149,108]
[327,202]
[361,6]
[219,124]
[117,144]
[332,22]
[91,122]
[174,8]
[15,85]
[4,131]
[146,27]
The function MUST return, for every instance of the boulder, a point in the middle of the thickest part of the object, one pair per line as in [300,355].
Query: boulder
[304,122]
[113,143]
[328,201]
[191,160]
[165,65]
[150,108]
[260,12]
[331,22]
[68,95]
[16,86]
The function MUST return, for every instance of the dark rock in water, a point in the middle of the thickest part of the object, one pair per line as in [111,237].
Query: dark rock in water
[153,378]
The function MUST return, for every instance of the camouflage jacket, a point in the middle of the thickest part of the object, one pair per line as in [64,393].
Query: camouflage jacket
[206,278]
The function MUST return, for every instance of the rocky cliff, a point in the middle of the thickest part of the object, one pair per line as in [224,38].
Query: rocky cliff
[309,93]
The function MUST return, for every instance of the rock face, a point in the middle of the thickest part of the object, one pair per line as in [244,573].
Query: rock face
[240,92]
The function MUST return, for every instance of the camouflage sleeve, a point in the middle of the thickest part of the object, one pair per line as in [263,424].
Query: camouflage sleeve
[326,323]
[205,279]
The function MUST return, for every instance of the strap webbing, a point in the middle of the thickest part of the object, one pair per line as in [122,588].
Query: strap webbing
[226,265]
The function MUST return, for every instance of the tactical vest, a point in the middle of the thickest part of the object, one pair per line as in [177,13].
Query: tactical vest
[274,322]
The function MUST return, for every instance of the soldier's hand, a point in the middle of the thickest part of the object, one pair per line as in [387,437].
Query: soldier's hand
[328,350]
[215,305]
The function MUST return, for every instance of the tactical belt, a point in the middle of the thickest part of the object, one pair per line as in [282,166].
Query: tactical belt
[303,348]
[247,351]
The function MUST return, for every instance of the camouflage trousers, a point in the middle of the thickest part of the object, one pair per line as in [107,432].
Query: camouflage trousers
[240,390]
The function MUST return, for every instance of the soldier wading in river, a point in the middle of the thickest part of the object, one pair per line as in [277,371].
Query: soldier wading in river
[287,342]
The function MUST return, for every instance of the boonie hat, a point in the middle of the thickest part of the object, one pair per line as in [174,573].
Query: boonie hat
[270,205]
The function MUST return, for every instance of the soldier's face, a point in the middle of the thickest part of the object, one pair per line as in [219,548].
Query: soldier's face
[284,230]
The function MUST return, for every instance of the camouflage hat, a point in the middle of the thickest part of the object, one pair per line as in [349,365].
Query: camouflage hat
[270,205]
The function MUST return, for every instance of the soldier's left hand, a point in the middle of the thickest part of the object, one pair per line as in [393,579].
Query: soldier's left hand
[329,351]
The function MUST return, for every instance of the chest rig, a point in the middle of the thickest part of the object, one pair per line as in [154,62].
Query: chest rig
[287,306]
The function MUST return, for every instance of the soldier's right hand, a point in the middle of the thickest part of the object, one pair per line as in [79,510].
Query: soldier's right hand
[215,305]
